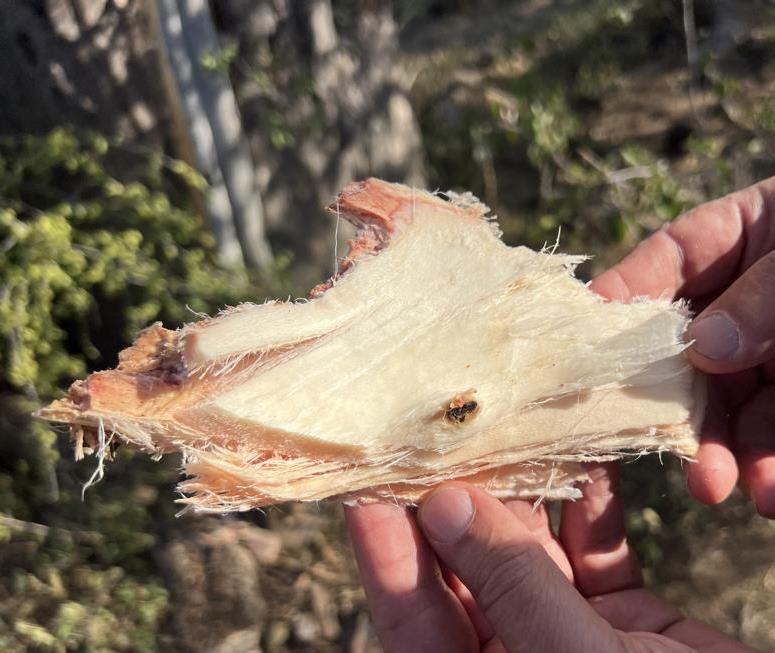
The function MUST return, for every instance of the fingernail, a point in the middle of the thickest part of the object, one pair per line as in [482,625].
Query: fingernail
[446,515]
[716,336]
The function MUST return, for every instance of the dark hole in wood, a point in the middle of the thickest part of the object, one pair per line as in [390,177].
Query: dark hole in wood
[458,414]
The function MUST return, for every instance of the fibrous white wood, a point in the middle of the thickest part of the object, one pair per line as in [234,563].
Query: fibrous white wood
[437,352]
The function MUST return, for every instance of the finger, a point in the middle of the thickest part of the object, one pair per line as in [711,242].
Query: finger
[702,637]
[755,449]
[636,610]
[482,627]
[643,614]
[768,371]
[537,521]
[593,533]
[412,607]
[733,390]
[699,253]
[529,603]
[737,331]
[712,475]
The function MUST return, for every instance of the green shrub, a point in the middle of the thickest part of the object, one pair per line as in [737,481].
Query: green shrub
[97,241]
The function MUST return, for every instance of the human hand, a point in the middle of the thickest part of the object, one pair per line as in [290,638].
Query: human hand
[721,256]
[471,574]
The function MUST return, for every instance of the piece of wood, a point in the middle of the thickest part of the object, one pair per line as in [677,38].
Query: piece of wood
[436,352]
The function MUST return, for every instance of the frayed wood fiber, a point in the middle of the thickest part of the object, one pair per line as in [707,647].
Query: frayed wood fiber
[436,352]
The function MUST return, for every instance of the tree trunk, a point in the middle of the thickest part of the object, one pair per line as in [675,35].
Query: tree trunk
[82,62]
[323,104]
[319,102]
[105,67]
[181,69]
[231,148]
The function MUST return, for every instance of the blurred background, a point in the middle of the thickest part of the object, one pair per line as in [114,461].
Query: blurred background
[163,158]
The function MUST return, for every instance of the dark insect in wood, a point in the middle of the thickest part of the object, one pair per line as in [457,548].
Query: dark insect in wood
[458,414]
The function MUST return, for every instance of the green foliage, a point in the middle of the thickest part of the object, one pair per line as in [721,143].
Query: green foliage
[27,458]
[98,240]
[219,60]
[529,132]
[90,256]
[79,607]
[288,104]
[89,581]
[549,128]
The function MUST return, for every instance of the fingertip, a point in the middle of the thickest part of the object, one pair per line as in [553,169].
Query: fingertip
[388,546]
[699,361]
[716,337]
[603,481]
[713,474]
[456,514]
[713,366]
[363,517]
[446,513]
[612,286]
[729,365]
[506,568]
[735,332]
[412,607]
[764,501]
[759,478]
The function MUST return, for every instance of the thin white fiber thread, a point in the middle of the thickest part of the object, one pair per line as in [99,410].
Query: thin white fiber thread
[336,243]
[551,251]
[393,495]
[547,489]
[99,473]
[556,245]
[199,314]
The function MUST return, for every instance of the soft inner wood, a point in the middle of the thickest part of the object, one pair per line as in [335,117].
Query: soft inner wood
[439,353]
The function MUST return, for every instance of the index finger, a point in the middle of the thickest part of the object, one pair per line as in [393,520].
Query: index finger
[700,252]
[412,606]
[593,533]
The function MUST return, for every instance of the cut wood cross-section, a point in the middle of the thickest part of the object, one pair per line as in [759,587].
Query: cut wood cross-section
[436,352]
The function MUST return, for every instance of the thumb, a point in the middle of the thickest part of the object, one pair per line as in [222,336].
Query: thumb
[737,331]
[529,603]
